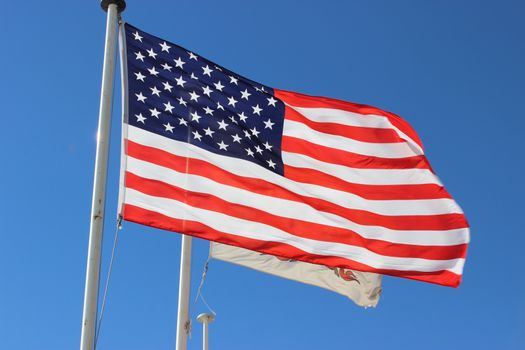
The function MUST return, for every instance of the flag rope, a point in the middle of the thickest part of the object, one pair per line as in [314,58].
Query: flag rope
[106,287]
[199,291]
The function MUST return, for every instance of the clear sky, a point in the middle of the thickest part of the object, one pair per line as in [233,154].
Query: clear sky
[454,69]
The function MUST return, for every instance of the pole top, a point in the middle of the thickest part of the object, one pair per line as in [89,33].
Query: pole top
[121,5]
[206,318]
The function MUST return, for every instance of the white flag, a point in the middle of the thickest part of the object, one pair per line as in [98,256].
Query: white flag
[363,288]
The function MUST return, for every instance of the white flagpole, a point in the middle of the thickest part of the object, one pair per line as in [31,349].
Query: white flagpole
[205,319]
[112,7]
[183,321]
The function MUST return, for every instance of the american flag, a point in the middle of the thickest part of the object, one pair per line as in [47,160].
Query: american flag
[215,155]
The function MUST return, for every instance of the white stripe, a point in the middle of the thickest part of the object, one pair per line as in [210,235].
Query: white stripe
[363,176]
[246,168]
[258,231]
[383,150]
[330,115]
[353,175]
[290,209]
[351,201]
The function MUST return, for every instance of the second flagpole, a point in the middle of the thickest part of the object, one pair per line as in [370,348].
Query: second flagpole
[183,320]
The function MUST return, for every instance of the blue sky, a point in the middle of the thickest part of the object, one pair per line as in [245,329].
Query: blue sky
[453,69]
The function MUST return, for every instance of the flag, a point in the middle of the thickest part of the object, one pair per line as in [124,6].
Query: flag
[212,154]
[363,288]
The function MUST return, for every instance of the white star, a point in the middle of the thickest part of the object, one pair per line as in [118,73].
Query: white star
[182,101]
[258,149]
[141,97]
[236,138]
[255,132]
[153,71]
[222,145]
[219,106]
[139,55]
[169,127]
[193,76]
[267,146]
[242,117]
[180,81]
[208,110]
[249,151]
[195,117]
[206,91]
[183,121]
[179,63]
[152,53]
[167,86]
[245,94]
[271,164]
[167,67]
[192,56]
[232,101]
[233,80]
[194,96]
[165,47]
[140,118]
[268,124]
[218,68]
[218,86]
[155,91]
[209,132]
[154,113]
[196,135]
[140,76]
[257,110]
[168,107]
[137,36]
[232,118]
[222,125]
[207,70]
[271,101]
[247,134]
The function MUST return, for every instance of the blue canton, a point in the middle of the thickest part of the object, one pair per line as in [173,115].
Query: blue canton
[182,96]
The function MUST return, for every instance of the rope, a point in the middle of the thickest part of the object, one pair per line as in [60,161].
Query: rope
[106,287]
[199,291]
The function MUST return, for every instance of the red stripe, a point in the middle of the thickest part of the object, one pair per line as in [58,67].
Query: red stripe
[202,168]
[300,100]
[375,135]
[374,192]
[377,192]
[196,229]
[295,227]
[349,159]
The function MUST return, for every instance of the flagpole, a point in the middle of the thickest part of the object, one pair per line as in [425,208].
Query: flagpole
[112,7]
[183,320]
[205,319]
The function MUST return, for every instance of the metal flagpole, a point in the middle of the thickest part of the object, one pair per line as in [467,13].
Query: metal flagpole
[112,7]
[205,319]
[183,321]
